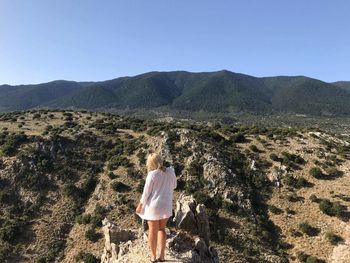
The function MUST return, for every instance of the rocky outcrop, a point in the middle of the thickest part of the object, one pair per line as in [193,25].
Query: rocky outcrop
[185,213]
[202,223]
[277,174]
[113,237]
[203,253]
[216,173]
[193,218]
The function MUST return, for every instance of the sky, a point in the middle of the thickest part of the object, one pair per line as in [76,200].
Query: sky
[86,40]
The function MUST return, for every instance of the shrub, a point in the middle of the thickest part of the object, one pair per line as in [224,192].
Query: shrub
[313,198]
[333,238]
[111,175]
[253,148]
[333,173]
[201,198]
[311,259]
[209,202]
[83,219]
[140,186]
[86,257]
[12,142]
[275,210]
[308,229]
[316,172]
[230,207]
[120,187]
[293,197]
[296,182]
[133,173]
[238,137]
[274,157]
[10,229]
[91,235]
[289,158]
[330,208]
[117,161]
[36,116]
[142,157]
[302,256]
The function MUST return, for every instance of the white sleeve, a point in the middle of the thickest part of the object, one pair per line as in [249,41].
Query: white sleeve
[147,189]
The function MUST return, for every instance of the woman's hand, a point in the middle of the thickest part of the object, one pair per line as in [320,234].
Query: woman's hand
[139,208]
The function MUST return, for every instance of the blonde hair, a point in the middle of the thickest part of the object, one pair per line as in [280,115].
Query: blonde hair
[154,162]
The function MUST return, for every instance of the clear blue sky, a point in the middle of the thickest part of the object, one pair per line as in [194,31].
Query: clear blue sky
[43,40]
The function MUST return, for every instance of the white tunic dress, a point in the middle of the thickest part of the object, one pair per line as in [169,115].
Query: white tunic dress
[157,196]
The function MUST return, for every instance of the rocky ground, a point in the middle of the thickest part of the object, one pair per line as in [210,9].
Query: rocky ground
[242,194]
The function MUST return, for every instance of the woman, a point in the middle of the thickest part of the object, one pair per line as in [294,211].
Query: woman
[155,205]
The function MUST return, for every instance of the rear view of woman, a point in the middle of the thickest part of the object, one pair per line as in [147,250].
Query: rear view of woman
[155,205]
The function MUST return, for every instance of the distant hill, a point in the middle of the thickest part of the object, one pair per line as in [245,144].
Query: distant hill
[343,84]
[221,91]
[24,97]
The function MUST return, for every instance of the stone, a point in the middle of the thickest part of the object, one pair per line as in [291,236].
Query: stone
[216,173]
[114,236]
[184,216]
[203,223]
[202,253]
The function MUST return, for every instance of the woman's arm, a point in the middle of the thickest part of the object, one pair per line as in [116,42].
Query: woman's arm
[174,178]
[147,190]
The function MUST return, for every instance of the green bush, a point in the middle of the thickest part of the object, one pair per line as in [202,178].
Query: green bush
[117,161]
[10,230]
[133,173]
[293,197]
[330,208]
[120,187]
[274,157]
[229,207]
[253,148]
[297,183]
[308,229]
[111,175]
[140,186]
[316,172]
[333,173]
[12,142]
[91,235]
[83,219]
[313,198]
[333,238]
[238,138]
[275,210]
[86,257]
[312,259]
[302,256]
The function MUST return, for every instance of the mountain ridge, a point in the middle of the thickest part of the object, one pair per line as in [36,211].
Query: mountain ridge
[219,91]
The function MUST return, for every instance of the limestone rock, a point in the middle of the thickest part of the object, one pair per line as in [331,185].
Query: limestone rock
[203,254]
[216,173]
[184,214]
[113,237]
[203,223]
[192,217]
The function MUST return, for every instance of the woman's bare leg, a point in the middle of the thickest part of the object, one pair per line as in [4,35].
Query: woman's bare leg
[153,226]
[162,237]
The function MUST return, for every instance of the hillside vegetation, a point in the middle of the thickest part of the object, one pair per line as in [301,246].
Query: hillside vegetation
[209,92]
[271,194]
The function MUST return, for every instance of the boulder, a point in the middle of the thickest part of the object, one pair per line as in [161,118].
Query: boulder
[203,223]
[184,214]
[203,254]
[113,237]
[216,173]
[192,217]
